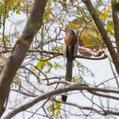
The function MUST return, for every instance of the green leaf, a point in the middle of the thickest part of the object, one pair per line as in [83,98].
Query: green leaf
[55,109]
[44,65]
[56,66]
[109,28]
[104,15]
[41,64]
[64,4]
[47,14]
[90,37]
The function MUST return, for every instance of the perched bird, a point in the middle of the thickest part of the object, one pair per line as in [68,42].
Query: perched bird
[70,51]
[71,43]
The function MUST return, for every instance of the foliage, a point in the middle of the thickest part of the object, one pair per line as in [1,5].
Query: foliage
[7,6]
[55,109]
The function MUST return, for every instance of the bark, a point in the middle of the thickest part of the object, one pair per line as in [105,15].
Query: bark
[16,58]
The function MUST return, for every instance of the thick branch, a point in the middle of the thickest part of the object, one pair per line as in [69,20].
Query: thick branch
[92,109]
[56,92]
[14,61]
[103,33]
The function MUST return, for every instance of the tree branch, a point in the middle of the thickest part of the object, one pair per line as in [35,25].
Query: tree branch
[14,61]
[74,87]
[103,33]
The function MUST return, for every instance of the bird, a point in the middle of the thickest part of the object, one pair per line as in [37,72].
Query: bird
[70,51]
[71,43]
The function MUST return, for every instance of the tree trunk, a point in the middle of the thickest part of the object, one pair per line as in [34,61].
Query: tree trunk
[14,61]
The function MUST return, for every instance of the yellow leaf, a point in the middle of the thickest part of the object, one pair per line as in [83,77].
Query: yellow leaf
[104,15]
[76,23]
[2,1]
[90,37]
